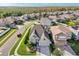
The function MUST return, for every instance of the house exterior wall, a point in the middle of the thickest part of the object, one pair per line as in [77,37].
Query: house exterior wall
[2,23]
[69,35]
[33,38]
[61,36]
[45,21]
[76,37]
[59,42]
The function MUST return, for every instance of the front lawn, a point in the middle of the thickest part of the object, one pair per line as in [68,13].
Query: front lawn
[6,36]
[55,51]
[22,50]
[74,45]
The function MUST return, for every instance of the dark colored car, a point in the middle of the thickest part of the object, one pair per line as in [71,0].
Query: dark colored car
[19,35]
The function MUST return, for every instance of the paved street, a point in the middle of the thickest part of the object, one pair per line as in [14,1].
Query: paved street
[4,49]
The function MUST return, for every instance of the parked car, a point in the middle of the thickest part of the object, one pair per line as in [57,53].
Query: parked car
[19,35]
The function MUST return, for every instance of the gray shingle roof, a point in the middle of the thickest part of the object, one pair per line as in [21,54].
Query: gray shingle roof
[39,30]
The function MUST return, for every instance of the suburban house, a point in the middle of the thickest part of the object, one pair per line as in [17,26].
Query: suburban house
[46,23]
[8,20]
[24,17]
[60,34]
[32,15]
[75,34]
[53,18]
[40,37]
[60,18]
[37,14]
[2,22]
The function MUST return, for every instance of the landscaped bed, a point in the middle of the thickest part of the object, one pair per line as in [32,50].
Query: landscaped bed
[74,45]
[55,51]
[7,35]
[11,52]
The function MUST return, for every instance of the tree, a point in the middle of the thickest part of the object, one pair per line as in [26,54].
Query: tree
[71,23]
[77,22]
[66,21]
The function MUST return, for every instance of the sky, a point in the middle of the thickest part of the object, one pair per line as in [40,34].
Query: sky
[38,4]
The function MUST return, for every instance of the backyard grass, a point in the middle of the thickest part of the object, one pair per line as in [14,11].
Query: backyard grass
[11,52]
[7,35]
[74,45]
[22,48]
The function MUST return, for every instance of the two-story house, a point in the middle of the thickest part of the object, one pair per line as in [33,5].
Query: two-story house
[39,35]
[60,34]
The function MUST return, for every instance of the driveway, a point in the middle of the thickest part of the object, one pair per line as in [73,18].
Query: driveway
[44,51]
[67,50]
[4,49]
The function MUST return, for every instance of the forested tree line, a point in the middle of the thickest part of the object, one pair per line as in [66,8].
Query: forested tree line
[18,11]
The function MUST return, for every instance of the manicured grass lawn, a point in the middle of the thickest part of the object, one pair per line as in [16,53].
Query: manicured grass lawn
[22,48]
[74,45]
[19,39]
[6,36]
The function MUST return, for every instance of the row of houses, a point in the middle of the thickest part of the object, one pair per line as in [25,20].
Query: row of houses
[39,35]
[7,20]
[59,32]
[10,21]
[60,14]
[55,16]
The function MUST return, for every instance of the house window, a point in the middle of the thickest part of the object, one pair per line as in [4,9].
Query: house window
[61,37]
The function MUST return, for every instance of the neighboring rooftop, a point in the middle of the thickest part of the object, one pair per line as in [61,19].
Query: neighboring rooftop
[39,30]
[59,29]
